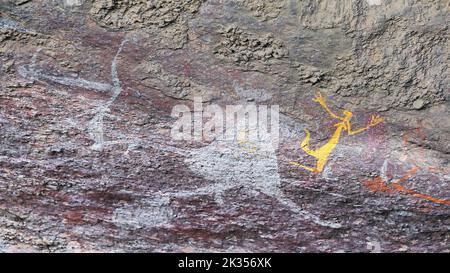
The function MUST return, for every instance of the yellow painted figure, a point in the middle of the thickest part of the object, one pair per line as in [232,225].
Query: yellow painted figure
[244,143]
[322,153]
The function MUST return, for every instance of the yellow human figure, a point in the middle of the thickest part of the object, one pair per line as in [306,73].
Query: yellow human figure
[244,143]
[322,153]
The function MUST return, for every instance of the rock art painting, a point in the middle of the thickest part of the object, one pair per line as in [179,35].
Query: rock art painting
[323,153]
[224,126]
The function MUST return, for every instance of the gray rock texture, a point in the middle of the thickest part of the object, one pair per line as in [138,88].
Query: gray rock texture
[88,162]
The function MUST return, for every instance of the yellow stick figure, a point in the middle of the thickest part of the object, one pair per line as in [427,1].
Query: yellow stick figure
[322,153]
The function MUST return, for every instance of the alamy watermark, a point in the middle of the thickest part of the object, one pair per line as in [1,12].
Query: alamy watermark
[250,122]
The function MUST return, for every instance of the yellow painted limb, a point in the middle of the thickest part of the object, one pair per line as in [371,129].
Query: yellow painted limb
[305,144]
[374,120]
[304,167]
[321,164]
[322,153]
[321,100]
[351,133]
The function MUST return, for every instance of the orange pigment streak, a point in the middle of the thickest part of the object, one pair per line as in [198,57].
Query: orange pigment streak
[379,185]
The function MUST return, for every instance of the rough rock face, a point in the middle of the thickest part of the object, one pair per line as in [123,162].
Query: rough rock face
[242,48]
[264,9]
[88,161]
[140,13]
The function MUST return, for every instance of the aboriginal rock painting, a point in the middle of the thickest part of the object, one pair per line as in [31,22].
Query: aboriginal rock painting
[95,127]
[323,153]
[380,183]
[386,184]
[260,161]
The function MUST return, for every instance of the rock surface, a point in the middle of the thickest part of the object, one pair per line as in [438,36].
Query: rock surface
[88,163]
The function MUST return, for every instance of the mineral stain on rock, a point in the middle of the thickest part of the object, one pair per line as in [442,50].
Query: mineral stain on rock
[88,163]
